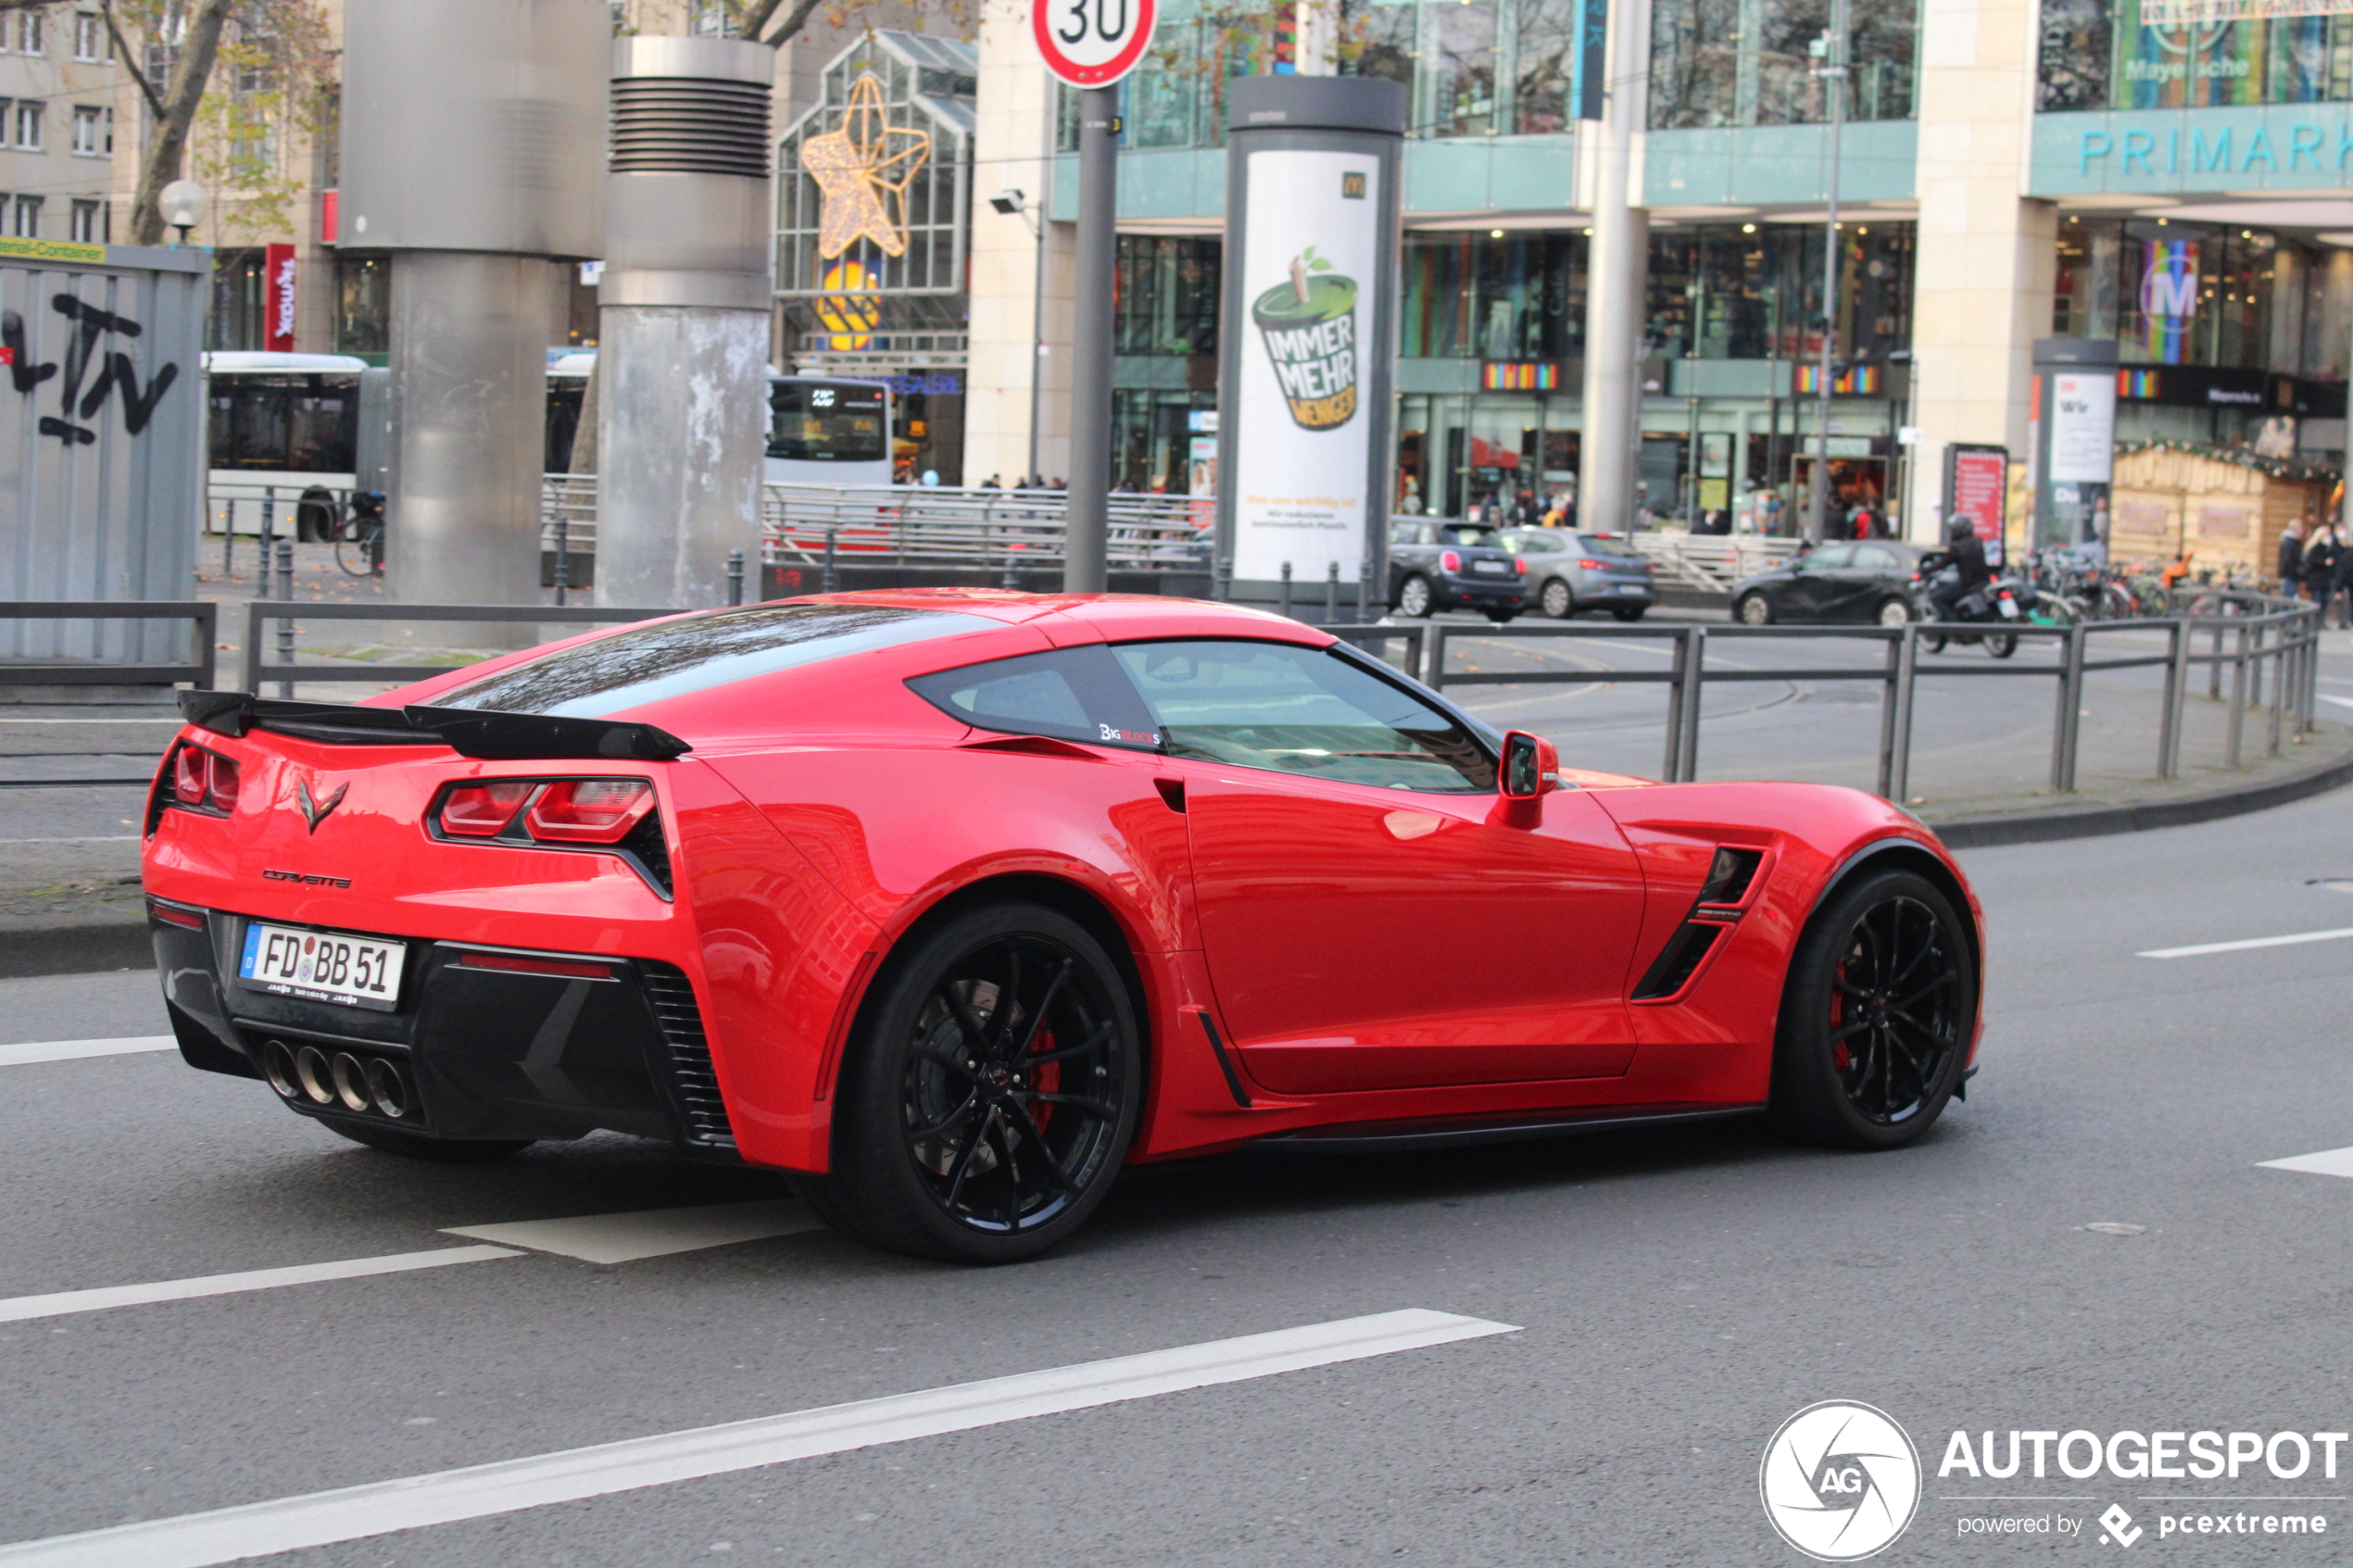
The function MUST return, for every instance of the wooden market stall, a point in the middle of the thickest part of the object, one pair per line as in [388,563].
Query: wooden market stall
[2225,508]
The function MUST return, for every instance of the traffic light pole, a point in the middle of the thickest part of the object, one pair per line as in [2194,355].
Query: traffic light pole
[1086,548]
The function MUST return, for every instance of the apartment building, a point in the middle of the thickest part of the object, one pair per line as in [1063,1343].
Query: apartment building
[57,94]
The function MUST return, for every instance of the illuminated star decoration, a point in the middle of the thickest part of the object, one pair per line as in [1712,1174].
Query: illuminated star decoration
[864,168]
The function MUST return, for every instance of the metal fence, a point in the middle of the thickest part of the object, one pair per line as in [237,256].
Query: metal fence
[283,613]
[203,615]
[2250,635]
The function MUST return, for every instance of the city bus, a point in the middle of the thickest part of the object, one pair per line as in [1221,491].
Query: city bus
[283,426]
[822,429]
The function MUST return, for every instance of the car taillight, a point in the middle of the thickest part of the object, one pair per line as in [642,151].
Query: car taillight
[202,780]
[589,811]
[1593,565]
[1451,561]
[483,810]
[1519,564]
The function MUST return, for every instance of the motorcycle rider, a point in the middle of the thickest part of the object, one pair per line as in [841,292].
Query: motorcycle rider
[1959,571]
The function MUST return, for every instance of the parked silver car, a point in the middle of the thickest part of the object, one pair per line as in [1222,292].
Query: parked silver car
[1568,573]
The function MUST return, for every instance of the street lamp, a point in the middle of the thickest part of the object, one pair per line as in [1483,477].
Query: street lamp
[1013,203]
[1830,50]
[182,204]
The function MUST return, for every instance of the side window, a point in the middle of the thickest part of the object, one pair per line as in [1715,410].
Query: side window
[1830,558]
[1069,694]
[1294,710]
[1878,558]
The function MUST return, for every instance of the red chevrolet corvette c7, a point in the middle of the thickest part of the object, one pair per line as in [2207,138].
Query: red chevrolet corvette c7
[953,902]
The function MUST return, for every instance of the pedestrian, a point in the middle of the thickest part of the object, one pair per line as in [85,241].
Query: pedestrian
[2291,562]
[2318,567]
[2341,584]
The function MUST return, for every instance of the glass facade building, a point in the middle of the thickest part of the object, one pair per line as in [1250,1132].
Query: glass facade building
[1747,62]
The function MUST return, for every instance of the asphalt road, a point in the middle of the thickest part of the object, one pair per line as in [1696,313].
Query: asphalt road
[1674,1298]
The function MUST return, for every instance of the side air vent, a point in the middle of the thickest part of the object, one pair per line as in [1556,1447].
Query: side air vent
[692,1078]
[1677,960]
[1729,874]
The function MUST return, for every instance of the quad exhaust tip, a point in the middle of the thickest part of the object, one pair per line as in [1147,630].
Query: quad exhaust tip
[368,1086]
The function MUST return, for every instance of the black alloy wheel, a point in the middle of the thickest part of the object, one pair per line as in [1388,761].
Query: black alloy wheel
[1755,609]
[1414,597]
[1878,1015]
[1557,601]
[990,1093]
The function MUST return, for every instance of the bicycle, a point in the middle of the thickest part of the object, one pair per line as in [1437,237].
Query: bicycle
[360,543]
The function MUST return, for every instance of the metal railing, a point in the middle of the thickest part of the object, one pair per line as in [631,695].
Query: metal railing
[1712,563]
[283,613]
[2263,636]
[203,615]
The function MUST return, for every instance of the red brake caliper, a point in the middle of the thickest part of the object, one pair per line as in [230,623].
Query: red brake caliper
[1046,1080]
[1838,1015]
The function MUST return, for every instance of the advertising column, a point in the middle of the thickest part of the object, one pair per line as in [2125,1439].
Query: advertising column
[1310,330]
[2073,410]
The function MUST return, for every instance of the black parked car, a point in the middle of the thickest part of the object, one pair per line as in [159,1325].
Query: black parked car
[1865,579]
[1436,565]
[1568,573]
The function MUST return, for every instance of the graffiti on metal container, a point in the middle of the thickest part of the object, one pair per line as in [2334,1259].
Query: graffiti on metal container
[84,353]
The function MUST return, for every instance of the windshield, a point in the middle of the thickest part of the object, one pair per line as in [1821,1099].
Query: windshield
[669,659]
[826,422]
[1471,533]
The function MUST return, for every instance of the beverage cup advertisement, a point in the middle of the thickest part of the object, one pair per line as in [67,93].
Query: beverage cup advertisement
[1312,255]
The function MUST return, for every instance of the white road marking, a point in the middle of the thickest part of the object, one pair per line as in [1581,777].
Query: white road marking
[2332,697]
[649,1232]
[199,1540]
[105,838]
[74,1050]
[65,1302]
[2328,1162]
[2252,942]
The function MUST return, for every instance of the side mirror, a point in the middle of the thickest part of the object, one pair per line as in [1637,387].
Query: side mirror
[1532,766]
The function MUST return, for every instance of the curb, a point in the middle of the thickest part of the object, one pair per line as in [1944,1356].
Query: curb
[2095,821]
[76,949]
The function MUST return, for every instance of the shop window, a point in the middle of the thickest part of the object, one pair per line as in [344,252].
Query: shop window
[363,302]
[2097,55]
[236,318]
[1165,295]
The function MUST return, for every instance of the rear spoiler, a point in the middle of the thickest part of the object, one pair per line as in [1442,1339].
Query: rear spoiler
[491,736]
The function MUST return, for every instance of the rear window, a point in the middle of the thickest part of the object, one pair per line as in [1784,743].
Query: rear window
[1070,694]
[1470,533]
[671,658]
[1616,548]
[1538,541]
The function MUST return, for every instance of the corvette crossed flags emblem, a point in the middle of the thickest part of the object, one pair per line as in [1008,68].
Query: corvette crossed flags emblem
[314,811]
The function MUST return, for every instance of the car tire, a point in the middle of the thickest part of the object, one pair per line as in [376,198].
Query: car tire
[1629,613]
[416,1145]
[935,1116]
[2001,645]
[1886,961]
[1894,614]
[1558,600]
[1414,596]
[1753,610]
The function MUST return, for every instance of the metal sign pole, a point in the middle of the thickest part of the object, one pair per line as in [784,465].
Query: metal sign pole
[1088,540]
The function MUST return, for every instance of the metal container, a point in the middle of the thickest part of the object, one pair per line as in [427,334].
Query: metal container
[102,464]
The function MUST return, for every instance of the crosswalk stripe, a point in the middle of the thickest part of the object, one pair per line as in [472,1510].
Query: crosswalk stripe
[648,1233]
[65,1302]
[2328,1162]
[74,1050]
[200,1540]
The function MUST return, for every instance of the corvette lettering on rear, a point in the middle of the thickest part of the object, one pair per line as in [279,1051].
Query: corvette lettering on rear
[308,879]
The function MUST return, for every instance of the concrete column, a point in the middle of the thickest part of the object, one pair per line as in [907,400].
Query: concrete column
[1987,256]
[469,366]
[1617,275]
[1013,143]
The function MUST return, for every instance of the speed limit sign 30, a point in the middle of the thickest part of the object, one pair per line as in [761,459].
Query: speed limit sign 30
[1092,42]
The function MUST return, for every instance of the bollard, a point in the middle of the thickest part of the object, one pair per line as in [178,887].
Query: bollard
[2235,725]
[1285,609]
[286,625]
[735,577]
[1365,593]
[1221,579]
[269,534]
[1331,594]
[832,581]
[229,540]
[563,556]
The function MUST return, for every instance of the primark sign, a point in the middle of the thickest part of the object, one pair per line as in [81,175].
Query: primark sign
[2285,147]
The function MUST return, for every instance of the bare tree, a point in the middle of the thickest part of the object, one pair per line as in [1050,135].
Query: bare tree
[757,14]
[174,111]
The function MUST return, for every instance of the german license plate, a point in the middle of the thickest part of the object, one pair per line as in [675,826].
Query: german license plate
[1493,568]
[322,966]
